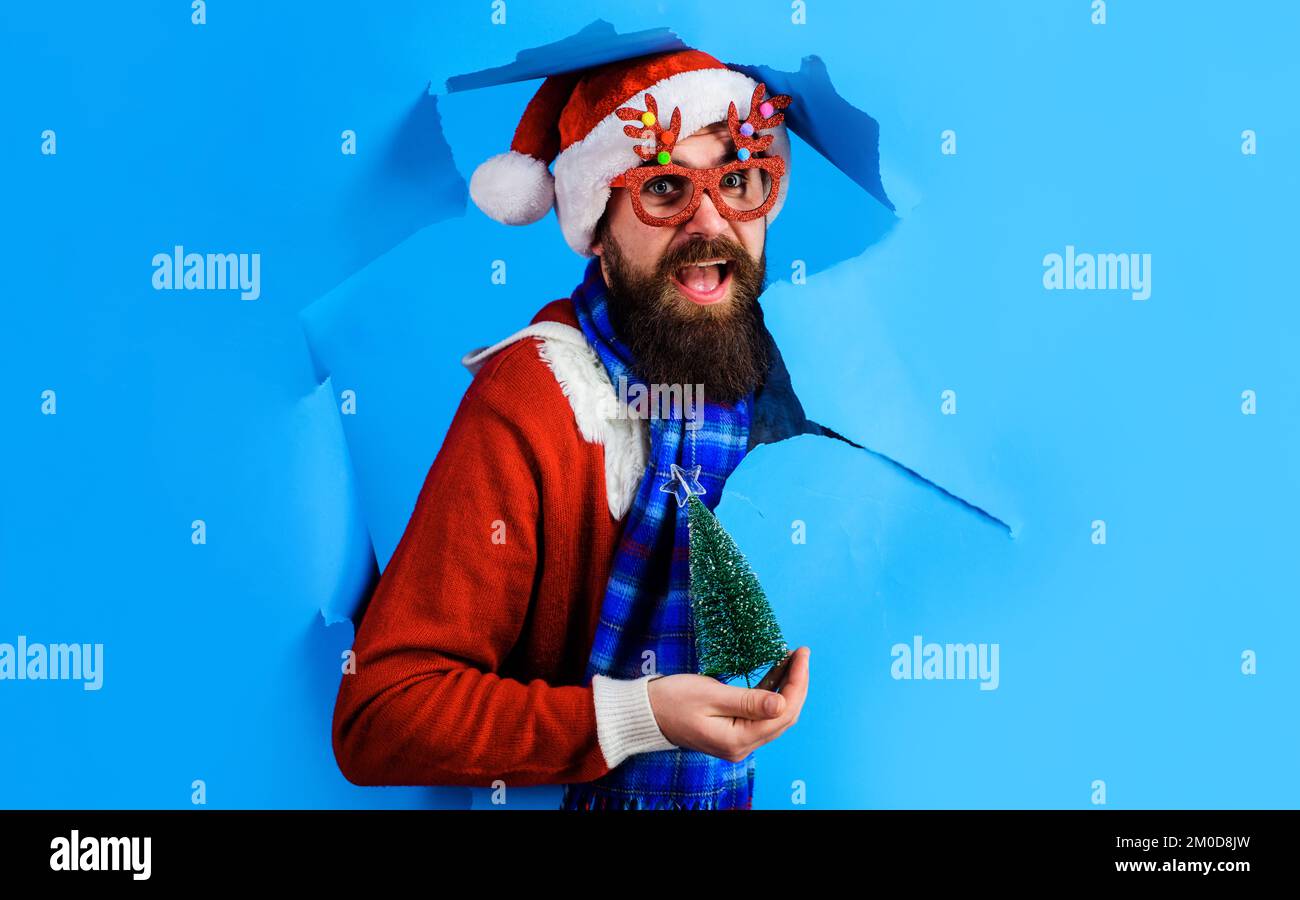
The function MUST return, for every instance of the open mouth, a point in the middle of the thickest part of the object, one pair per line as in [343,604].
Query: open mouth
[704,282]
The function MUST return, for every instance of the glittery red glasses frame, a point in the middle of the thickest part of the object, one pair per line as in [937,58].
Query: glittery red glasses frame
[702,180]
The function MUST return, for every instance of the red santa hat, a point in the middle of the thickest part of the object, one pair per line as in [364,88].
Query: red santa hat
[572,120]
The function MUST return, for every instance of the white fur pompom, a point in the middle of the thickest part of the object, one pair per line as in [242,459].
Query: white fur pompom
[513,188]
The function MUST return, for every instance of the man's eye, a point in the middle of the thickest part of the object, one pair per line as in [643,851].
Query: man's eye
[732,180]
[660,186]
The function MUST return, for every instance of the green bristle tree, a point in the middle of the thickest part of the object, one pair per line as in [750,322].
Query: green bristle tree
[735,629]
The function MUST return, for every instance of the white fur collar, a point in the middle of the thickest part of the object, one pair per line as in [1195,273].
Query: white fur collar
[584,381]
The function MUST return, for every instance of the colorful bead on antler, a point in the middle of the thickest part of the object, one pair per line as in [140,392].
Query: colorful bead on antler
[762,114]
[649,127]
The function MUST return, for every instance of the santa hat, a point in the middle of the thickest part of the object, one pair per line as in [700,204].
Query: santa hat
[573,121]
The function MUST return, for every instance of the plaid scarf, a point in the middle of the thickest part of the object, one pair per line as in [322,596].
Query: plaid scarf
[647,603]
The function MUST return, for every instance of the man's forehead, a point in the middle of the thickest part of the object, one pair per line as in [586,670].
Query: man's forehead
[711,145]
[713,131]
[720,125]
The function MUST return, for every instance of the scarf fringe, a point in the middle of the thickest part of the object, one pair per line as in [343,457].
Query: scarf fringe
[585,797]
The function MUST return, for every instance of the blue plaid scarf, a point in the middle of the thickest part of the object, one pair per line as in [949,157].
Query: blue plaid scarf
[647,602]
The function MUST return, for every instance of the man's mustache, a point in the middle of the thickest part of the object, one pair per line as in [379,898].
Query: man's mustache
[699,250]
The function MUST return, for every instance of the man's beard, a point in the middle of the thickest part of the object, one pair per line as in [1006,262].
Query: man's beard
[676,342]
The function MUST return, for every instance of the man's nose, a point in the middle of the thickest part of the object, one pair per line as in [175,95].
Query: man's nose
[707,221]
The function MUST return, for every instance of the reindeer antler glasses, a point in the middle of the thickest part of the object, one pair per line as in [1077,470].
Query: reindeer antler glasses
[669,194]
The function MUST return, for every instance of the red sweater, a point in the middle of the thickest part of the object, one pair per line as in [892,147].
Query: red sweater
[470,657]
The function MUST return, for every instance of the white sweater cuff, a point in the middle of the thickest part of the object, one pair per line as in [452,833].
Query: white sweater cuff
[625,721]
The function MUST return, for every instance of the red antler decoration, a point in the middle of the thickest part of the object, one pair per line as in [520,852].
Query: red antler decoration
[649,127]
[762,114]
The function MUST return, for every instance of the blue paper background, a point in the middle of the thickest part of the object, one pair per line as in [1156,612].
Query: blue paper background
[1118,662]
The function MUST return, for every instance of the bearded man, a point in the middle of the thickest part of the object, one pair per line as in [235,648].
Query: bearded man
[534,624]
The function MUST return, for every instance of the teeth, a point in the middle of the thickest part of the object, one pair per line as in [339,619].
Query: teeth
[712,262]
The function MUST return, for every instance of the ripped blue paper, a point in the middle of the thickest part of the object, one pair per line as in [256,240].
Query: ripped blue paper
[369,331]
[594,45]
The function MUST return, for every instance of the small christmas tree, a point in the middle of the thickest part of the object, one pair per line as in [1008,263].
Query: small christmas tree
[735,629]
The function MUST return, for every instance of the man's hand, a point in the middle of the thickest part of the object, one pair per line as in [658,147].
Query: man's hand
[701,713]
